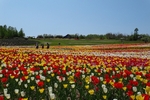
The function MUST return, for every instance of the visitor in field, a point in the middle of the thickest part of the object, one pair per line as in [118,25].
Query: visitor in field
[37,46]
[47,45]
[42,46]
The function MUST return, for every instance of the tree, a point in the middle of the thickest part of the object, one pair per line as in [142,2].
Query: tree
[135,35]
[21,33]
[136,30]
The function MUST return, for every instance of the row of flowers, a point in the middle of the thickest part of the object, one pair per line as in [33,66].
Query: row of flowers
[29,75]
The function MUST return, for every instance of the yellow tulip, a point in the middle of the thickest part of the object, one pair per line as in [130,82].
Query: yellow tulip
[147,90]
[124,88]
[12,77]
[104,82]
[48,80]
[139,97]
[25,98]
[71,79]
[41,90]
[91,91]
[145,81]
[138,77]
[104,96]
[32,87]
[132,97]
[87,79]
[26,77]
[65,85]
[52,74]
[87,86]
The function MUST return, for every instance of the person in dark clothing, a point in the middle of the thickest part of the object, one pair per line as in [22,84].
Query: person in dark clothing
[47,45]
[37,46]
[42,46]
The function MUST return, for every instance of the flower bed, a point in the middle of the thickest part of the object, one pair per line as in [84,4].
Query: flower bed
[76,74]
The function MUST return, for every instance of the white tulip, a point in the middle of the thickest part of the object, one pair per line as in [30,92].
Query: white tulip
[5,91]
[131,75]
[139,93]
[41,71]
[1,75]
[7,85]
[50,89]
[115,99]
[83,76]
[19,83]
[36,73]
[32,78]
[52,96]
[28,81]
[25,85]
[16,91]
[134,89]
[105,90]
[16,79]
[42,77]
[101,78]
[64,78]
[37,81]
[103,85]
[59,80]
[55,85]
[22,93]
[72,85]
[67,73]
[7,96]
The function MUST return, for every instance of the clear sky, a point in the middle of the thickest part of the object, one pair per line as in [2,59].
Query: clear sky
[61,17]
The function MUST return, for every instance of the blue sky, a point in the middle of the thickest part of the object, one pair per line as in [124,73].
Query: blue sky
[61,17]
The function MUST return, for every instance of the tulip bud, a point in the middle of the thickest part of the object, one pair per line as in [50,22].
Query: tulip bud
[32,78]
[25,85]
[16,79]
[22,93]
[41,71]
[131,75]
[1,75]
[36,73]
[28,81]
[52,96]
[50,89]
[72,85]
[83,76]
[19,83]
[101,78]
[16,91]
[49,72]
[64,78]
[55,85]
[105,90]
[103,85]
[134,89]
[42,77]
[5,91]
[7,96]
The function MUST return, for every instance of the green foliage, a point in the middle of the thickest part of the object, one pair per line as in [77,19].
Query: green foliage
[10,32]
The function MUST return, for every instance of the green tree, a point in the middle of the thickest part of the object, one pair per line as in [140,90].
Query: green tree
[21,33]
[135,35]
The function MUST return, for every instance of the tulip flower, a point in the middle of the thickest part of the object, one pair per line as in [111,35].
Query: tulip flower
[41,90]
[91,91]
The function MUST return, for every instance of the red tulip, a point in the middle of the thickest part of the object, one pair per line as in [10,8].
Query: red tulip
[118,85]
[4,80]
[40,83]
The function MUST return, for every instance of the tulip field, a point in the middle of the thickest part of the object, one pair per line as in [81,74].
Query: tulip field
[89,72]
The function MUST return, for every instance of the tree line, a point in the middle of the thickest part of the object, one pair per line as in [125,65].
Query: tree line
[8,32]
[132,37]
